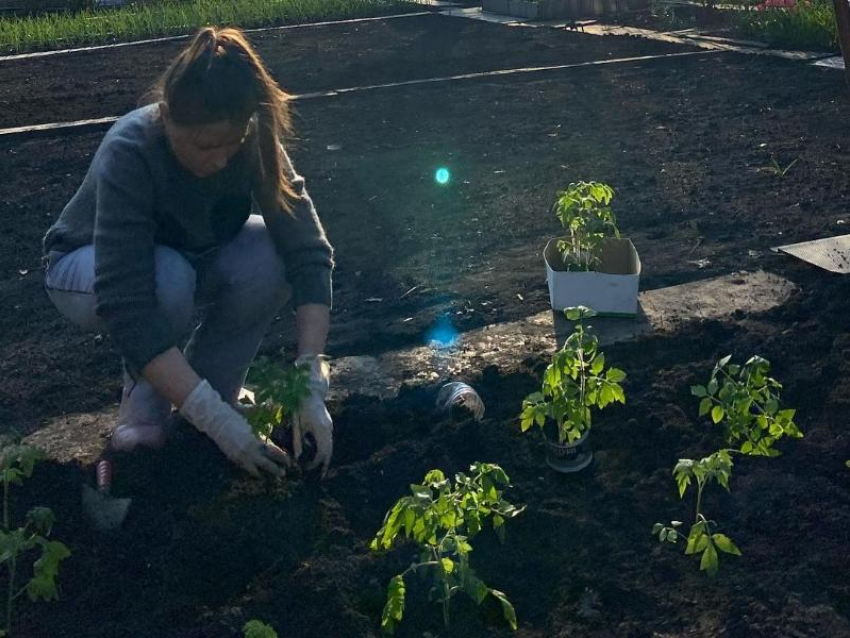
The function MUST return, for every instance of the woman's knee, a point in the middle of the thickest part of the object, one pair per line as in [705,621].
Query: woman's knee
[69,282]
[70,285]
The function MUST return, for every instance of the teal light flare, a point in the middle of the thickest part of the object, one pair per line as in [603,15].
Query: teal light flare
[442,176]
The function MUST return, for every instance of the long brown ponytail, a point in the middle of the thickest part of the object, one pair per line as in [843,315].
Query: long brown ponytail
[220,77]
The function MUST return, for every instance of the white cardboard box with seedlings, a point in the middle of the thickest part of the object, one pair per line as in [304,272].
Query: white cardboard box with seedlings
[612,289]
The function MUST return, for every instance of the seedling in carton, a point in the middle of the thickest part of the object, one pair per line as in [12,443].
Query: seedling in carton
[584,210]
[442,519]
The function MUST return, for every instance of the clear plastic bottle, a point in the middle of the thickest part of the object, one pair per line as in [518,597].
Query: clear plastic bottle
[459,393]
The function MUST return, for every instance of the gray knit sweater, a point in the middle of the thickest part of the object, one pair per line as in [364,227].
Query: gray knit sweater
[136,195]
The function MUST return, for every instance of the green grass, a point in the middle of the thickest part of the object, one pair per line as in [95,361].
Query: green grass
[806,26]
[137,22]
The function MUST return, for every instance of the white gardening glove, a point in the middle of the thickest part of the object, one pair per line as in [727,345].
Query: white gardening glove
[205,409]
[313,416]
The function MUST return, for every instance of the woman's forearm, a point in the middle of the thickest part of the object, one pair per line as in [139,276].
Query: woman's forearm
[313,321]
[172,376]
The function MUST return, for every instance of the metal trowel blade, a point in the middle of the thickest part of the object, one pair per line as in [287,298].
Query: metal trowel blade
[106,513]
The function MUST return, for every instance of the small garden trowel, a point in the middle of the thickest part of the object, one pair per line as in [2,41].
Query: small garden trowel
[105,512]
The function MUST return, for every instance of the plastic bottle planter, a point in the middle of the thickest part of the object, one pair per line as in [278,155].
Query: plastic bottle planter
[457,393]
[611,290]
[568,457]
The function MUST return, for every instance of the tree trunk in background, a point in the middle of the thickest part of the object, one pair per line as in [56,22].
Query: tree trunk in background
[842,16]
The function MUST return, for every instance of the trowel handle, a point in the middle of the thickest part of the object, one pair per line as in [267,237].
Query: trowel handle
[104,475]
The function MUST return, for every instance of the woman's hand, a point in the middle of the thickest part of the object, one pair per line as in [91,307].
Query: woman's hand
[205,409]
[313,417]
[172,376]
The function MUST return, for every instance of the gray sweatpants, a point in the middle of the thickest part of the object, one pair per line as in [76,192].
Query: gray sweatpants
[240,292]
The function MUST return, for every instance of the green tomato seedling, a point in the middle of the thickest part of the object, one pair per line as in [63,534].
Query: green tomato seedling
[702,539]
[257,629]
[442,519]
[16,464]
[574,384]
[584,210]
[278,393]
[745,401]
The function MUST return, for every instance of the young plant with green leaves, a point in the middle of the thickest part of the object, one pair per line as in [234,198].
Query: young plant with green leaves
[775,168]
[744,399]
[278,393]
[574,384]
[702,538]
[584,210]
[442,518]
[258,629]
[17,543]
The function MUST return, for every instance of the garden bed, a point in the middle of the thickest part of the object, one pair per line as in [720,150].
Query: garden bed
[811,26]
[684,141]
[138,21]
[553,9]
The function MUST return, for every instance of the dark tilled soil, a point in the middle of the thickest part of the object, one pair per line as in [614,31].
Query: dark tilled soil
[684,141]
[303,60]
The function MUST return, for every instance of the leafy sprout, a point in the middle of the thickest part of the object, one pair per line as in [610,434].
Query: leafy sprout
[257,629]
[584,210]
[574,384]
[278,393]
[702,539]
[745,400]
[775,168]
[442,518]
[17,463]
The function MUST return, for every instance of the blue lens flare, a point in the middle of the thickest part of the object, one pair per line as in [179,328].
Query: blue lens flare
[442,176]
[443,334]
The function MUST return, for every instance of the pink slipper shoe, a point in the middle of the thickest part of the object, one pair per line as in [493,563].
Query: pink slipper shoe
[125,438]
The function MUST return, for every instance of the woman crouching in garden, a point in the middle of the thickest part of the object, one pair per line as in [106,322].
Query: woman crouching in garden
[192,202]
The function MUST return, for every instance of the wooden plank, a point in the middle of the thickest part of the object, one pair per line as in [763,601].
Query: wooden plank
[58,128]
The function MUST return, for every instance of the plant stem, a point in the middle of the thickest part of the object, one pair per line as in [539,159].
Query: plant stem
[576,245]
[10,587]
[6,506]
[582,375]
[10,598]
[700,486]
[437,552]
[446,595]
